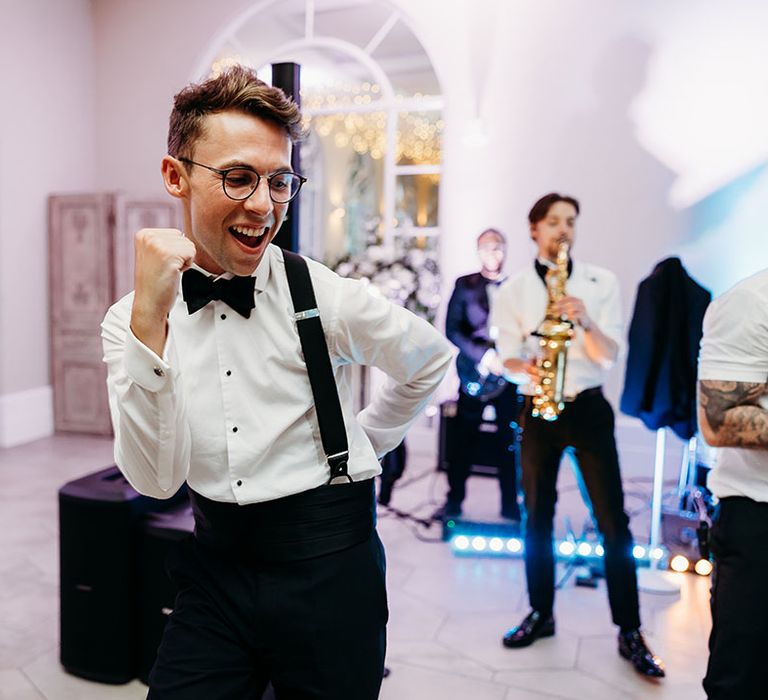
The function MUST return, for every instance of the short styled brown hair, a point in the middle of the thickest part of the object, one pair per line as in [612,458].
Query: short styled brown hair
[540,210]
[236,88]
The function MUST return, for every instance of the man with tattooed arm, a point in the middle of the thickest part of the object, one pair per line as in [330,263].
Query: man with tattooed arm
[733,417]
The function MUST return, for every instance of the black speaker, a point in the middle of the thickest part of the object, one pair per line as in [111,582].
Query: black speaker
[99,517]
[160,532]
[490,444]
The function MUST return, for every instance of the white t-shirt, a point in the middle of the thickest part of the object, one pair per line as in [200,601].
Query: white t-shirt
[735,348]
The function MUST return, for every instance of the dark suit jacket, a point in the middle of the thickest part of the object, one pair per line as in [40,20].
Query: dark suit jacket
[466,322]
[664,337]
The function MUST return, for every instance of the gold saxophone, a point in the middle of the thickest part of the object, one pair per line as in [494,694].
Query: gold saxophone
[554,333]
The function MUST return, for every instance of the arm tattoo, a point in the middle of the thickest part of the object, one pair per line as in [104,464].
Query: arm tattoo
[733,414]
[718,397]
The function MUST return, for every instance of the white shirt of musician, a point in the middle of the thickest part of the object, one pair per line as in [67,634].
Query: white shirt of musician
[519,307]
[229,408]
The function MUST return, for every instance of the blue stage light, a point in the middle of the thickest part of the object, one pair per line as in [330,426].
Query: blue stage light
[501,540]
[479,544]
[496,544]
[461,543]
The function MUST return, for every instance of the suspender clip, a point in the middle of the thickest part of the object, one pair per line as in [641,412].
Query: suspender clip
[339,464]
[304,315]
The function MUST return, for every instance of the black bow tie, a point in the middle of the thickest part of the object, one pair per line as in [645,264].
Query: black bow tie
[199,289]
[542,269]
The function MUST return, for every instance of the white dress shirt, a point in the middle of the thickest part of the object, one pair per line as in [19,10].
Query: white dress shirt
[229,407]
[519,307]
[734,348]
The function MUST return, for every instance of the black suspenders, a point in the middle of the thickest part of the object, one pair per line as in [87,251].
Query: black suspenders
[327,405]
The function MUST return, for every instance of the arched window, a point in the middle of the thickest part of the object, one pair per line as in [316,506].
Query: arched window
[373,107]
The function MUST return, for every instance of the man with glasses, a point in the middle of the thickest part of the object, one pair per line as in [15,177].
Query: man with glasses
[208,383]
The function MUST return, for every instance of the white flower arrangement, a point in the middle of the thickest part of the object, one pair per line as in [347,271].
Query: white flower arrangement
[409,277]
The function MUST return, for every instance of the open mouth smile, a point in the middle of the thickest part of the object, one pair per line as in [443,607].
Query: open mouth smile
[249,236]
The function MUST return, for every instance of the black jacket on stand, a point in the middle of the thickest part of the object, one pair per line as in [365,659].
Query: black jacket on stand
[664,337]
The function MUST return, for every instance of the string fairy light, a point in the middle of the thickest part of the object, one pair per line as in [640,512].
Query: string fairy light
[418,137]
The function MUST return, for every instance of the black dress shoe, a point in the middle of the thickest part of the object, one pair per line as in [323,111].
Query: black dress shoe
[632,647]
[535,625]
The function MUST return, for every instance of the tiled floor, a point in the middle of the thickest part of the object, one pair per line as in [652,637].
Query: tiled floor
[447,613]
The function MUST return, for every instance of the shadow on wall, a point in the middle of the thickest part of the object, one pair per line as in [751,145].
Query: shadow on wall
[627,223]
[729,230]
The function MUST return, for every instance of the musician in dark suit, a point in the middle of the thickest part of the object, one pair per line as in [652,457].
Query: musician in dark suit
[481,386]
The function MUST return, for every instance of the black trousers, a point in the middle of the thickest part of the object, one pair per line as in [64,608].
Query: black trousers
[315,627]
[469,412]
[738,644]
[587,426]
[392,468]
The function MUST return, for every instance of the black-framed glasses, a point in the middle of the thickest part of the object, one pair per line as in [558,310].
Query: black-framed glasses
[239,183]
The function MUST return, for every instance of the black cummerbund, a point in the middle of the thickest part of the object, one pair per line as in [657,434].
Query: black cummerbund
[301,526]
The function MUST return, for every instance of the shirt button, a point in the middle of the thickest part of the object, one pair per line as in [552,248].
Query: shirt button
[234,430]
[239,482]
[159,371]
[223,316]
[229,372]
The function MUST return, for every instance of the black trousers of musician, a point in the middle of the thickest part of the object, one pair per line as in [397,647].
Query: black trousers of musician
[587,426]
[738,644]
[290,592]
[469,413]
[392,468]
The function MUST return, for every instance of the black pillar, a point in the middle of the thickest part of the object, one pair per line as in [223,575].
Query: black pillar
[287,77]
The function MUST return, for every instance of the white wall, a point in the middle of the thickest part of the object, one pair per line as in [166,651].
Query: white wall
[46,146]
[572,96]
[145,53]
[555,82]
[580,98]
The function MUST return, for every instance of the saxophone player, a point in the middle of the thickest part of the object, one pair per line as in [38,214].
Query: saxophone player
[590,302]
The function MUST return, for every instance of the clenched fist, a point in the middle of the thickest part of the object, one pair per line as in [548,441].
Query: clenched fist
[162,254]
